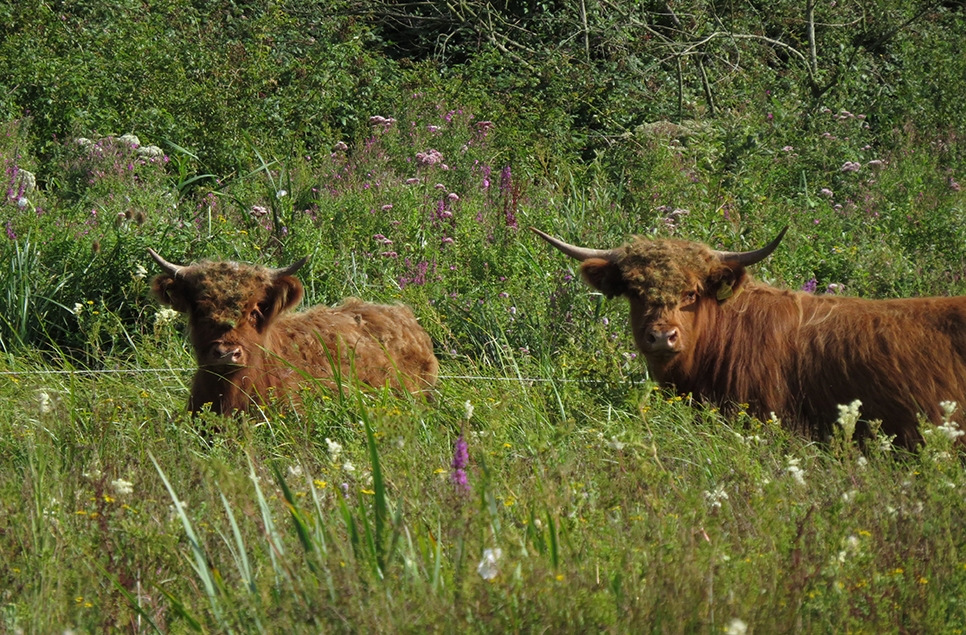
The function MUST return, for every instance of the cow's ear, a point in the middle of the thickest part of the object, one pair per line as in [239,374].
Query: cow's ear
[170,291]
[603,275]
[726,281]
[286,292]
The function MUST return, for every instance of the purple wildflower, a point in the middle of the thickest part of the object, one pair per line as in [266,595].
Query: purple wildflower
[10,233]
[810,286]
[461,459]
[850,166]
[506,180]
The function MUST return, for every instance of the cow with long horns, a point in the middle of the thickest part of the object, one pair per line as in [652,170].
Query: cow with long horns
[705,327]
[250,348]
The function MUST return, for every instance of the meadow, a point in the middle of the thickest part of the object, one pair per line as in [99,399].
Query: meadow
[549,485]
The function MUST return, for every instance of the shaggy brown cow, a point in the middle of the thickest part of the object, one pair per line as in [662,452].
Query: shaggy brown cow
[249,348]
[707,328]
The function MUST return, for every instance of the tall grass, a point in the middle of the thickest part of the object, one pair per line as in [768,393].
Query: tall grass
[589,498]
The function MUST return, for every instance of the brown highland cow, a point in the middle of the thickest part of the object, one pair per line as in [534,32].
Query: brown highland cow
[250,348]
[705,327]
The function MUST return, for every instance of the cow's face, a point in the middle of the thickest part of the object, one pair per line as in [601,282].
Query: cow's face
[667,283]
[230,308]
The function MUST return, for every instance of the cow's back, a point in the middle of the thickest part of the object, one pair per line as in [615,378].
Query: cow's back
[379,342]
[800,356]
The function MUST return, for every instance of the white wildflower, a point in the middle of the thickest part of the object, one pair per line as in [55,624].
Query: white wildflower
[281,193]
[849,496]
[468,407]
[795,471]
[335,448]
[848,417]
[78,308]
[122,487]
[140,273]
[165,316]
[294,471]
[861,462]
[716,496]
[614,444]
[150,152]
[348,467]
[22,202]
[948,428]
[44,402]
[130,140]
[736,627]
[487,567]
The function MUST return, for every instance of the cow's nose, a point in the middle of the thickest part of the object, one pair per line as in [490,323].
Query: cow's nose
[662,340]
[227,353]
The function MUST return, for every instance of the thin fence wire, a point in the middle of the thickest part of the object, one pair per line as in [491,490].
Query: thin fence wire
[158,371]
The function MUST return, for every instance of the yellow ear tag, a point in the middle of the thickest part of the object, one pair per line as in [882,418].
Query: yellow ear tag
[725,291]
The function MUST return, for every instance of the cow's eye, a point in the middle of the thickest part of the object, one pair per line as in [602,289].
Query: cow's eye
[690,297]
[256,316]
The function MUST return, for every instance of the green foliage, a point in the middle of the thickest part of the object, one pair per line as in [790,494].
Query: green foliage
[409,163]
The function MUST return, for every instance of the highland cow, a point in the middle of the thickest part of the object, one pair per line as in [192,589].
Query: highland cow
[250,349]
[705,327]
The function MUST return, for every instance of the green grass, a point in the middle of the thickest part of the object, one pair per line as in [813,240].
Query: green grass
[615,506]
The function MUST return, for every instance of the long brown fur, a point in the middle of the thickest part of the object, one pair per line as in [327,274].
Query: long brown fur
[240,309]
[790,353]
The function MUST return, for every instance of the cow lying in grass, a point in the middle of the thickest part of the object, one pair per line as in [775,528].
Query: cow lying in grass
[251,348]
[707,328]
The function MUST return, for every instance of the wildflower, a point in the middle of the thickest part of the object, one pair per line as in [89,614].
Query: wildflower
[258,210]
[716,496]
[412,181]
[468,409]
[954,185]
[453,196]
[448,241]
[487,567]
[795,471]
[461,458]
[340,146]
[44,403]
[130,139]
[948,428]
[162,317]
[22,202]
[826,192]
[348,467]
[345,490]
[736,627]
[122,487]
[151,152]
[78,308]
[433,129]
[140,273]
[295,471]
[281,193]
[10,233]
[485,126]
[810,286]
[439,186]
[429,158]
[875,163]
[506,180]
[387,207]
[848,416]
[335,448]
[850,166]
[787,149]
[834,288]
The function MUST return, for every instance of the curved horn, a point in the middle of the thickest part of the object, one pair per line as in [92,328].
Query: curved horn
[289,270]
[747,258]
[169,268]
[578,253]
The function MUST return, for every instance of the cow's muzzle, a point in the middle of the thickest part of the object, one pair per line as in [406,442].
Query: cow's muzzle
[223,354]
[662,341]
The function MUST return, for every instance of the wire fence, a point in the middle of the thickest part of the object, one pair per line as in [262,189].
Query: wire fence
[159,371]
